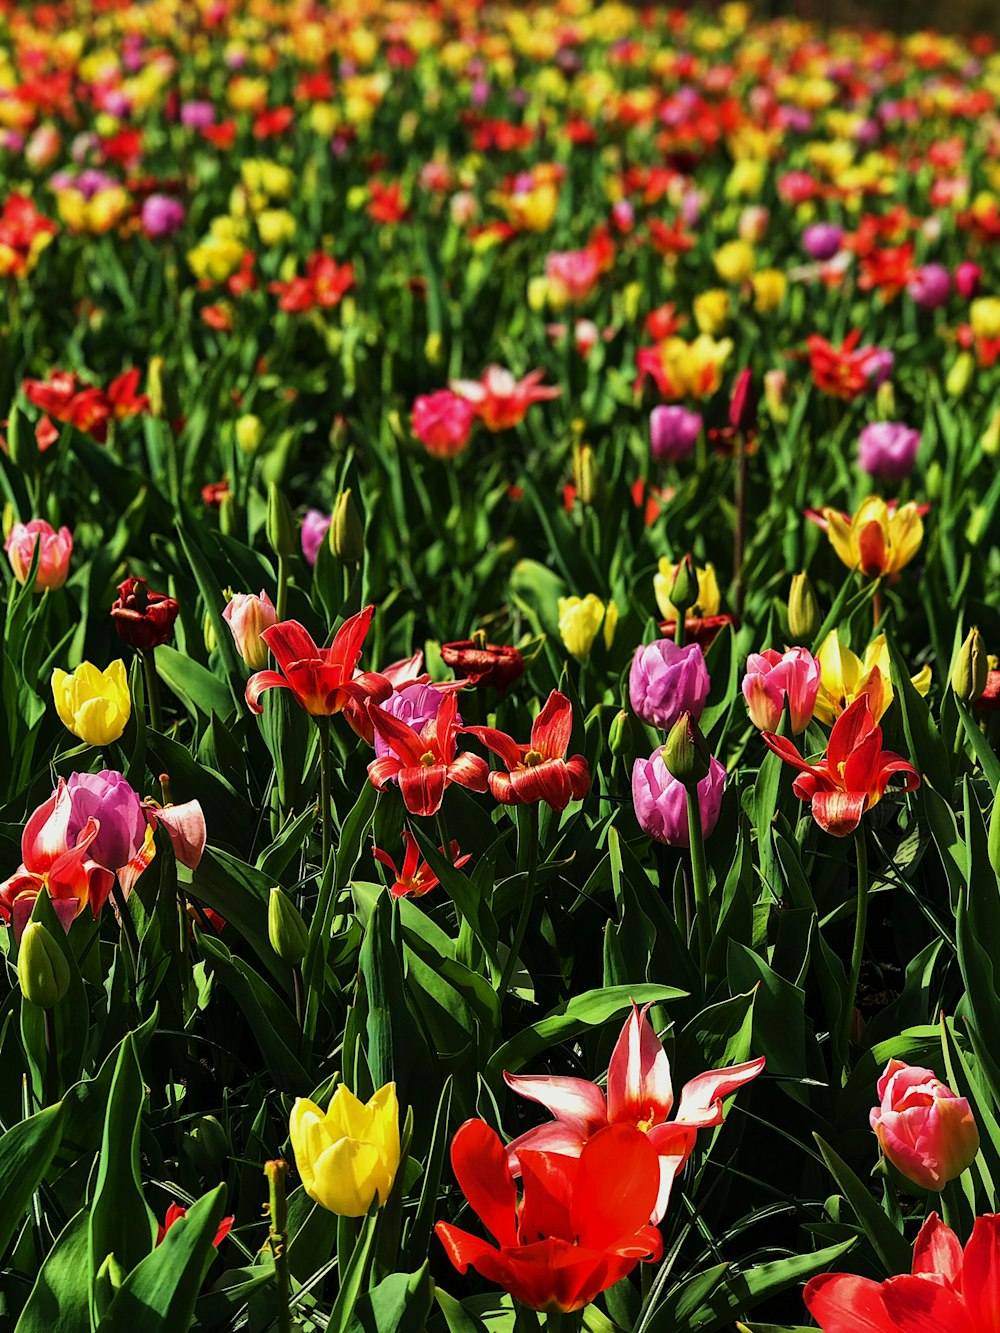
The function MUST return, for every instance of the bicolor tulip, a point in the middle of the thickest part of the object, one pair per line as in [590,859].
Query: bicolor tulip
[854,774]
[879,539]
[55,549]
[949,1290]
[846,677]
[540,770]
[348,1155]
[580,619]
[639,1093]
[247,616]
[322,680]
[399,676]
[582,1223]
[442,422]
[424,762]
[660,800]
[665,681]
[499,400]
[93,704]
[927,1132]
[772,678]
[416,878]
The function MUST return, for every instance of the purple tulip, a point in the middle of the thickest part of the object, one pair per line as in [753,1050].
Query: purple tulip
[822,240]
[673,432]
[930,287]
[162,216]
[661,801]
[109,799]
[888,450]
[878,366]
[415,705]
[665,681]
[314,527]
[197,115]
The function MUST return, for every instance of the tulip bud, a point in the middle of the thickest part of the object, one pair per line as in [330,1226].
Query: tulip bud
[885,401]
[249,433]
[743,404]
[280,523]
[9,519]
[155,388]
[775,383]
[586,474]
[433,347]
[934,481]
[990,442]
[685,754]
[620,735]
[208,634]
[22,445]
[108,1279]
[959,375]
[927,1132]
[968,675]
[209,1144]
[803,612]
[684,589]
[346,534]
[42,969]
[285,928]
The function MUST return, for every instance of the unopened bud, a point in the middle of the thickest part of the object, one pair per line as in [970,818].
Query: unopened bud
[209,1143]
[285,928]
[433,348]
[743,404]
[968,675]
[280,522]
[42,969]
[249,432]
[885,401]
[685,752]
[775,383]
[803,612]
[347,533]
[620,734]
[959,375]
[155,388]
[586,474]
[990,442]
[684,588]
[208,633]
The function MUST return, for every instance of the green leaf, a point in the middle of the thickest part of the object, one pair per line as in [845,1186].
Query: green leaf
[26,1153]
[742,1291]
[62,1289]
[890,1245]
[401,1302]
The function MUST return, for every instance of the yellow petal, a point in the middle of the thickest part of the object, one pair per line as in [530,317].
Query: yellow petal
[906,532]
[922,680]
[841,534]
[347,1178]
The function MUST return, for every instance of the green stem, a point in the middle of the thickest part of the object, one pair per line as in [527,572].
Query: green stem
[51,1059]
[699,879]
[739,532]
[128,926]
[152,689]
[324,785]
[860,923]
[278,1240]
[680,629]
[442,828]
[281,609]
[527,860]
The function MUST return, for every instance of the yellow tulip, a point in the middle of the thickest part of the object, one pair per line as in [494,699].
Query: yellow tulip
[580,618]
[769,287]
[350,1154]
[709,598]
[711,310]
[275,226]
[877,540]
[734,261]
[93,704]
[845,677]
[984,316]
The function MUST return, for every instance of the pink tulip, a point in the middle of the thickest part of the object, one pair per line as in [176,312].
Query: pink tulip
[121,820]
[442,422]
[888,449]
[661,801]
[673,432]
[639,1093]
[773,677]
[315,526]
[414,704]
[968,279]
[665,681]
[53,559]
[925,1130]
[571,275]
[248,616]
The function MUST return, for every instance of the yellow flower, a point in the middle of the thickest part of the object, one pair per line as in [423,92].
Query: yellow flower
[349,1155]
[746,180]
[215,258]
[709,598]
[711,310]
[877,540]
[249,432]
[94,705]
[276,226]
[769,287]
[984,316]
[734,261]
[845,677]
[579,620]
[247,94]
[693,370]
[259,176]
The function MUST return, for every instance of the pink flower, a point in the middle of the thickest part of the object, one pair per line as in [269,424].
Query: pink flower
[118,810]
[673,432]
[53,558]
[570,276]
[888,449]
[162,215]
[247,616]
[639,1093]
[416,705]
[442,422]
[499,400]
[925,1130]
[665,681]
[773,677]
[930,287]
[661,801]
[314,528]
[968,279]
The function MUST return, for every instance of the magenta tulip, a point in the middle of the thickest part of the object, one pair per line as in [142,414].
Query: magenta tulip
[107,798]
[673,432]
[888,449]
[665,681]
[661,801]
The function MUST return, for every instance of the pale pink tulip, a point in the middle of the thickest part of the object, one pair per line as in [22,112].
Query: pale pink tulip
[773,677]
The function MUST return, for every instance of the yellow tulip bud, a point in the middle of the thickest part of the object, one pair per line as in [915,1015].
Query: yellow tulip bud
[347,529]
[349,1155]
[959,375]
[734,261]
[803,613]
[968,675]
[580,619]
[94,705]
[249,432]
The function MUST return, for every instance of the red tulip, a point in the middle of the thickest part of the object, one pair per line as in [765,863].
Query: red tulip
[321,679]
[174,1214]
[539,771]
[854,774]
[142,618]
[581,1225]
[424,762]
[416,877]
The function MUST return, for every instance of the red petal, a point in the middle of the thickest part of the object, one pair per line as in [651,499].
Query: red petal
[547,781]
[549,1180]
[257,684]
[401,738]
[916,1305]
[850,729]
[616,1188]
[981,1275]
[347,642]
[843,1303]
[839,812]
[552,728]
[938,1251]
[422,788]
[290,642]
[480,1165]
[500,743]
[871,549]
[469,770]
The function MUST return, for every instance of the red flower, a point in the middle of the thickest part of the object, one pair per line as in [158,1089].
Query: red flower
[424,763]
[385,202]
[416,877]
[482,663]
[142,618]
[582,1223]
[174,1214]
[324,284]
[949,1290]
[854,775]
[845,371]
[269,124]
[321,679]
[122,396]
[539,771]
[699,629]
[499,400]
[989,700]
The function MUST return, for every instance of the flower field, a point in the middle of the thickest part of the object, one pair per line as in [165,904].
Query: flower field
[499,687]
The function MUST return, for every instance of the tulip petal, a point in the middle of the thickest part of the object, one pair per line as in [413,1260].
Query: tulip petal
[844,1303]
[639,1084]
[258,683]
[289,643]
[915,1305]
[616,1187]
[552,728]
[349,639]
[500,743]
[839,812]
[937,1252]
[702,1097]
[480,1165]
[580,1105]
[981,1275]
[185,823]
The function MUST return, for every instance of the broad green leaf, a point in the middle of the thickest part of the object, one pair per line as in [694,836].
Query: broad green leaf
[26,1153]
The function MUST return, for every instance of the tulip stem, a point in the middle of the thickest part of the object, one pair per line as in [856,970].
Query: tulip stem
[278,1239]
[128,926]
[739,530]
[281,609]
[152,689]
[324,784]
[860,924]
[699,879]
[527,860]
[680,629]
[442,828]
[51,1058]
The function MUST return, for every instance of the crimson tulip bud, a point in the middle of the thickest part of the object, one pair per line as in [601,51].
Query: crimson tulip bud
[143,619]
[42,969]
[685,754]
[743,404]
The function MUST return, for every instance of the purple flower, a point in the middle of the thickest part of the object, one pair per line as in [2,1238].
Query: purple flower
[665,681]
[162,216]
[415,705]
[888,450]
[661,801]
[107,798]
[673,432]
[930,287]
[314,527]
[197,115]
[822,240]
[878,365]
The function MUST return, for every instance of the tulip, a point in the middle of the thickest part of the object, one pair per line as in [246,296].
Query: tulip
[42,969]
[55,549]
[803,613]
[570,276]
[314,529]
[416,705]
[879,539]
[968,278]
[822,240]
[846,677]
[709,598]
[711,311]
[248,616]
[424,762]
[661,800]
[322,680]
[769,288]
[540,770]
[162,216]
[673,432]
[887,450]
[482,663]
[416,878]
[94,705]
[249,431]
[665,681]
[499,400]
[925,1130]
[349,1155]
[970,673]
[143,619]
[287,933]
[580,619]
[442,422]
[174,1214]
[772,678]
[734,262]
[118,810]
[930,287]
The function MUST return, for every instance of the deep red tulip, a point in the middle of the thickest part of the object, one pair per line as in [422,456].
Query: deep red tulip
[484,663]
[174,1214]
[539,771]
[424,762]
[142,618]
[581,1225]
[321,679]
